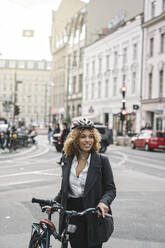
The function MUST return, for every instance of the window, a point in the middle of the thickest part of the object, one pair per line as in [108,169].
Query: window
[73,111]
[74,85]
[83,32]
[161,83]
[41,65]
[115,58]
[30,65]
[79,110]
[92,91]
[107,61]
[80,83]
[124,77]
[74,59]
[150,86]
[106,87]
[21,64]
[135,51]
[81,57]
[163,5]
[86,92]
[87,69]
[125,55]
[162,43]
[151,47]
[69,61]
[100,65]
[2,63]
[114,86]
[99,89]
[133,82]
[93,68]
[153,6]
[12,64]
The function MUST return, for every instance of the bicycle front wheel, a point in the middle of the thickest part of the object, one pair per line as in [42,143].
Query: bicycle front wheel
[36,242]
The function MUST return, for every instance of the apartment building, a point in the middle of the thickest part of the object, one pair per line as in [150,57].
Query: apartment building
[28,84]
[153,92]
[111,63]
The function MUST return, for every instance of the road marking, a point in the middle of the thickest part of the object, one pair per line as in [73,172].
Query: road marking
[146,164]
[122,161]
[31,172]
[145,158]
[35,155]
[21,182]
[136,161]
[20,153]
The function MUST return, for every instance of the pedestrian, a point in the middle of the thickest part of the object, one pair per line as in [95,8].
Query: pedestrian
[49,133]
[87,182]
[64,134]
[57,128]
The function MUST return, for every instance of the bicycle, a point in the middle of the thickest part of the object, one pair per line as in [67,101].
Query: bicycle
[41,232]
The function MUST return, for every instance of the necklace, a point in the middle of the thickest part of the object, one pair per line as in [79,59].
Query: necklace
[82,156]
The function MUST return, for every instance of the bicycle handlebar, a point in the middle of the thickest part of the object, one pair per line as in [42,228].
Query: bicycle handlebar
[42,202]
[57,206]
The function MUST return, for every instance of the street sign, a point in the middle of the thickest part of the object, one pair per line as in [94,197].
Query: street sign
[158,111]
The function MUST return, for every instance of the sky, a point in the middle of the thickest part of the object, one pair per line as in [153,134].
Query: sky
[19,15]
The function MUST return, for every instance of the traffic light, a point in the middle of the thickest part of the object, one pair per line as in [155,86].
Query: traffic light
[17,110]
[123,112]
[123,90]
[122,115]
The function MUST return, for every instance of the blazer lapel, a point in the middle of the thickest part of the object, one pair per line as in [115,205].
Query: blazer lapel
[65,173]
[94,169]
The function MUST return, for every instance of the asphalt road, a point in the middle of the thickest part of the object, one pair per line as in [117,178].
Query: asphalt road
[138,208]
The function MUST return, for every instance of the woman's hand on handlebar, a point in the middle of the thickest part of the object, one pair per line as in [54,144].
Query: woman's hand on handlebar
[104,208]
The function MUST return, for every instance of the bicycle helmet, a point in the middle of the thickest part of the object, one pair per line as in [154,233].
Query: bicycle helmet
[82,123]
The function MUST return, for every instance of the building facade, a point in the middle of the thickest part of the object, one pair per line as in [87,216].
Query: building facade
[153,91]
[26,84]
[84,26]
[62,22]
[111,63]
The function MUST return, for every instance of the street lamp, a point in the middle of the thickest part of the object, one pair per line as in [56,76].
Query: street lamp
[47,103]
[16,109]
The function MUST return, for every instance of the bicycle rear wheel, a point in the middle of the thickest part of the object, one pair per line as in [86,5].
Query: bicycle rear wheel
[35,241]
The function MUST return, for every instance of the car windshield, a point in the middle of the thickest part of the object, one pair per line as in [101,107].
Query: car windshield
[159,134]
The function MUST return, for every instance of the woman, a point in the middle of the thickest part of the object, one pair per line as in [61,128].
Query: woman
[87,182]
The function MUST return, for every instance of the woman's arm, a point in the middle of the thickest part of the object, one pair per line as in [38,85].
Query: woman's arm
[108,185]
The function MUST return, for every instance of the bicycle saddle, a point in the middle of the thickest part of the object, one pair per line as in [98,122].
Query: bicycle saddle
[47,223]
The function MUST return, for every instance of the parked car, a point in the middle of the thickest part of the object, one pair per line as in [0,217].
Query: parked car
[149,140]
[106,134]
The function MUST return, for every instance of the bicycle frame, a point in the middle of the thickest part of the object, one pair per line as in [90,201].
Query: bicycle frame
[41,232]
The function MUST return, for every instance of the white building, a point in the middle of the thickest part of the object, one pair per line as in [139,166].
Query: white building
[153,97]
[110,63]
[75,25]
[27,83]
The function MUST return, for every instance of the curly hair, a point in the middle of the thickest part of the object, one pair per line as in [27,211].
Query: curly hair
[71,145]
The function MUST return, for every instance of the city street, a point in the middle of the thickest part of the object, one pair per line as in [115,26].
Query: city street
[138,208]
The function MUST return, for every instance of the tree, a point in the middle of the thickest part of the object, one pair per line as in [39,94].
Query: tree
[16,110]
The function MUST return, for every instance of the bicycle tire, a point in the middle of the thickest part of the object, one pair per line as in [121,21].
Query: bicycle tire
[33,241]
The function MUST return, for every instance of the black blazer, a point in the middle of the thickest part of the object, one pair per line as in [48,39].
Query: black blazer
[99,187]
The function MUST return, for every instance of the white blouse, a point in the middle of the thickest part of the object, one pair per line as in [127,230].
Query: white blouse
[77,184]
